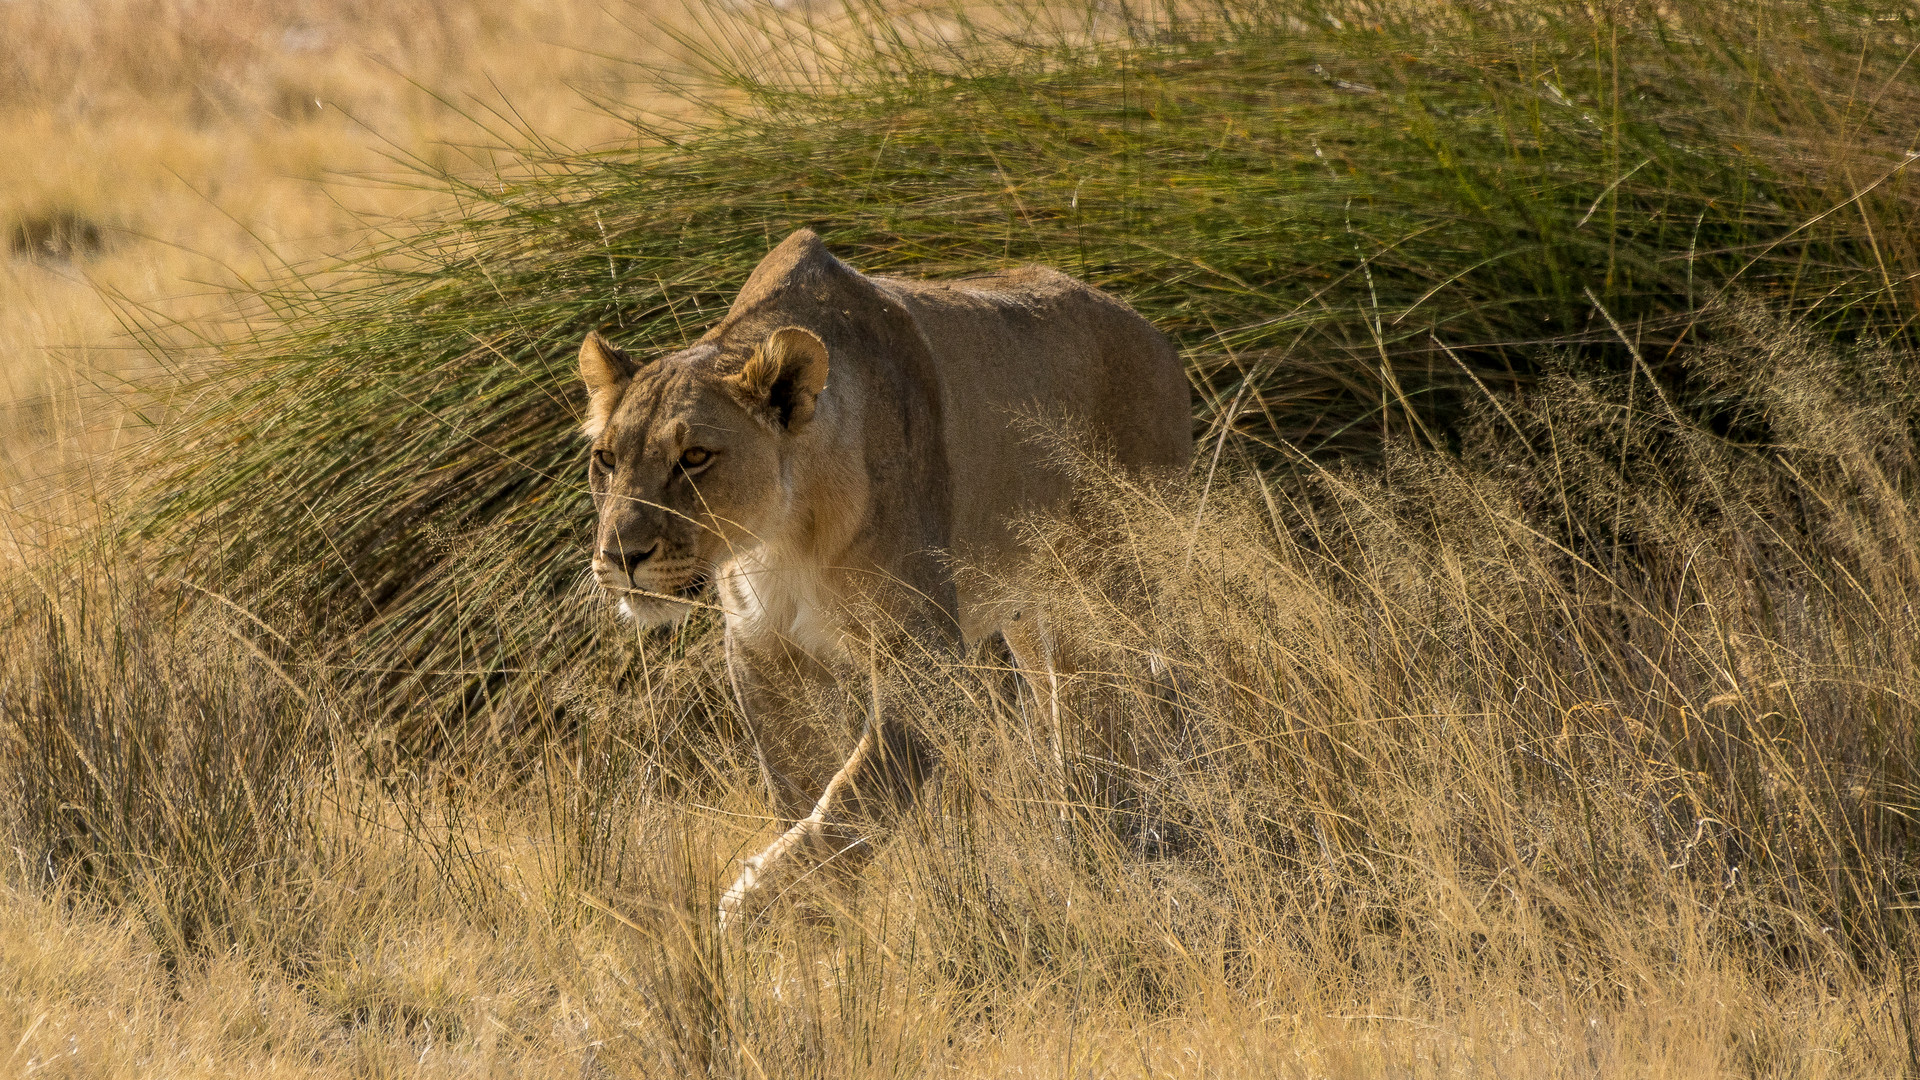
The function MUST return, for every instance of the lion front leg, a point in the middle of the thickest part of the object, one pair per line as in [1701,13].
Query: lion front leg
[880,775]
[782,693]
[819,837]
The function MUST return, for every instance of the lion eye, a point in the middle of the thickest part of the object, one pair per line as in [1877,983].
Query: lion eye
[604,459]
[695,457]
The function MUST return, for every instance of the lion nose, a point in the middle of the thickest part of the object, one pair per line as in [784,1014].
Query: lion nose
[629,559]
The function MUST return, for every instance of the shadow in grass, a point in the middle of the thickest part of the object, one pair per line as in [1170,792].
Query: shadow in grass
[55,236]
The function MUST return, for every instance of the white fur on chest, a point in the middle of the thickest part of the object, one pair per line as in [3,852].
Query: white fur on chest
[764,597]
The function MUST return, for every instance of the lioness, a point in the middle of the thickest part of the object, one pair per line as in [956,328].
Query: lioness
[826,455]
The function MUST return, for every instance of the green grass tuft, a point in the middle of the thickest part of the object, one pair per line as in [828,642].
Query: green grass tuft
[1335,210]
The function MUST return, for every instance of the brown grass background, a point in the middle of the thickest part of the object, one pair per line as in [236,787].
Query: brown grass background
[205,146]
[1382,775]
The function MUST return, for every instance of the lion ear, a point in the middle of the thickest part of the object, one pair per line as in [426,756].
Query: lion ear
[606,371]
[783,378]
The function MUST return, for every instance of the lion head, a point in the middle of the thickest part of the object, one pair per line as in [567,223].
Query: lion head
[689,455]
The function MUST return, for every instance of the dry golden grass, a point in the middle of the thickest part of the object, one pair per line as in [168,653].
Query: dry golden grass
[161,158]
[1424,793]
[155,154]
[1586,747]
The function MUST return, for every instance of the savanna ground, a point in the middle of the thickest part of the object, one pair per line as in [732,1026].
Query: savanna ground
[1523,684]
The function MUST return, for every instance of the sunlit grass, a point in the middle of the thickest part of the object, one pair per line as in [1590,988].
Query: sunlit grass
[1523,684]
[1343,255]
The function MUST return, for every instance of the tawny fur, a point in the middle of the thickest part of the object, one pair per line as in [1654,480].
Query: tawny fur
[828,452]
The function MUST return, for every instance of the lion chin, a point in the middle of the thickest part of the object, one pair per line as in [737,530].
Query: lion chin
[650,609]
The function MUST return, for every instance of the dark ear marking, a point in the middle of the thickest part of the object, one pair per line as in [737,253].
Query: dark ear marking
[781,382]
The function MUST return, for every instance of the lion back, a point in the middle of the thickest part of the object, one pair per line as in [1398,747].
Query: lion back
[1029,352]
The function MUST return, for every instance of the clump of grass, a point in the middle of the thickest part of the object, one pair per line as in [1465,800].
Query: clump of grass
[1502,693]
[155,748]
[1380,768]
[1338,214]
[1665,633]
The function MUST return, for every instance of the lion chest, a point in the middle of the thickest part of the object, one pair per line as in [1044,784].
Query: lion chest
[792,603]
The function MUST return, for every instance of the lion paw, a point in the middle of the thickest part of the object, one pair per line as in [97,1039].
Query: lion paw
[733,901]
